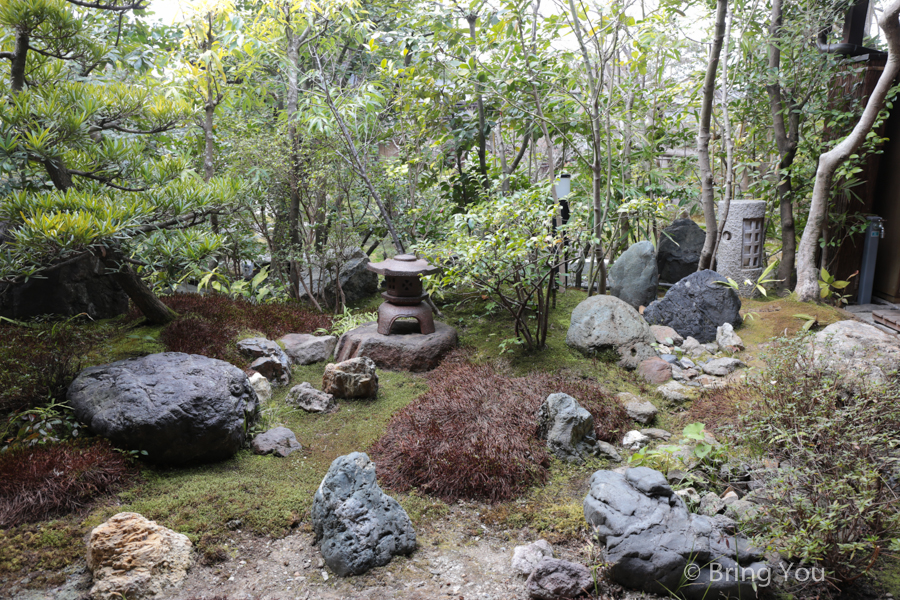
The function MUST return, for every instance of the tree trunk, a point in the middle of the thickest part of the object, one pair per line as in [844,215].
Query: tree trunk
[293,92]
[786,139]
[143,297]
[58,173]
[482,143]
[19,58]
[728,141]
[807,289]
[707,195]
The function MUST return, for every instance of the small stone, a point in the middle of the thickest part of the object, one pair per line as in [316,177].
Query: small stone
[605,450]
[656,434]
[711,347]
[730,497]
[553,579]
[262,387]
[526,558]
[277,369]
[727,339]
[308,398]
[722,366]
[655,370]
[641,411]
[741,510]
[675,392]
[306,349]
[669,358]
[635,440]
[711,505]
[690,344]
[256,347]
[666,335]
[689,495]
[686,363]
[279,441]
[354,378]
[677,373]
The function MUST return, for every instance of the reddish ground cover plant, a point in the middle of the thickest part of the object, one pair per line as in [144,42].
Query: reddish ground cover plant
[54,479]
[208,323]
[473,435]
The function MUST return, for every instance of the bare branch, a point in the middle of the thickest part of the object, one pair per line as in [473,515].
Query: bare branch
[139,5]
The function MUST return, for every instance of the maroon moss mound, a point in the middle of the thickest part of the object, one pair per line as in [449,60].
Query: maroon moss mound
[473,435]
[208,324]
[43,481]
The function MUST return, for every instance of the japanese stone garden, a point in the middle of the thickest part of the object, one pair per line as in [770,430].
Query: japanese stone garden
[362,300]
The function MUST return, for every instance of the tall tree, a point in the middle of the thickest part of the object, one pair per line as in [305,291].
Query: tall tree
[807,288]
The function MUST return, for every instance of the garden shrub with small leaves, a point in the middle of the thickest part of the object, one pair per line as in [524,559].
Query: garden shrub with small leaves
[834,498]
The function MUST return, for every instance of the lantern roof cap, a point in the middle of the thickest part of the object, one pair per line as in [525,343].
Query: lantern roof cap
[403,265]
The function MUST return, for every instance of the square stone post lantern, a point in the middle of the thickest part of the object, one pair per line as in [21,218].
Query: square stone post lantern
[404,296]
[741,253]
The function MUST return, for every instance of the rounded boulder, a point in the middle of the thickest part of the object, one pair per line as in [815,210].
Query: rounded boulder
[178,408]
[605,323]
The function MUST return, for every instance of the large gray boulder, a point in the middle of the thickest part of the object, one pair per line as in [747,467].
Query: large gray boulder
[654,544]
[177,407]
[696,306]
[860,353]
[356,282]
[357,525]
[678,251]
[79,287]
[634,277]
[603,324]
[569,430]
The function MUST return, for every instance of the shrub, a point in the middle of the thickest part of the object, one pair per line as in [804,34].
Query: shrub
[38,362]
[209,323]
[54,479]
[830,501]
[473,435]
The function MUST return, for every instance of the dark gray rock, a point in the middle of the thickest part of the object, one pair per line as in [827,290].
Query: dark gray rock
[275,368]
[79,287]
[696,307]
[356,282]
[569,430]
[177,407]
[357,525]
[405,349]
[256,347]
[310,399]
[678,251]
[654,544]
[633,277]
[279,441]
[271,361]
[554,578]
[306,349]
[604,324]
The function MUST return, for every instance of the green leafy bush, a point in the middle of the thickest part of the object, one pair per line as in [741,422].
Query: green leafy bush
[831,500]
[507,249]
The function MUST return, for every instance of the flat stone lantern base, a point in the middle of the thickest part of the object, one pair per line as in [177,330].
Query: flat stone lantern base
[405,349]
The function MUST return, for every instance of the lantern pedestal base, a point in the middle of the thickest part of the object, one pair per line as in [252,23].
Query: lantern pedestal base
[388,313]
[404,350]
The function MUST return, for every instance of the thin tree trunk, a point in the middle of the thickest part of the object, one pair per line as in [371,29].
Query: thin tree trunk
[727,140]
[707,195]
[482,143]
[807,289]
[18,60]
[787,139]
[293,91]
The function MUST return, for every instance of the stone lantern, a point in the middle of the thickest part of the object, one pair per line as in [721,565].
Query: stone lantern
[404,297]
[741,253]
